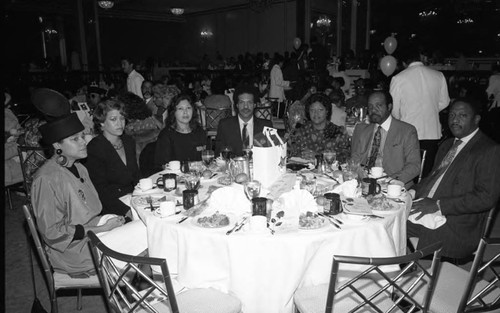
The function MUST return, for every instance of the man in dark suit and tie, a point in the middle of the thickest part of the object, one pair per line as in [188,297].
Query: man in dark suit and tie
[463,185]
[386,141]
[238,131]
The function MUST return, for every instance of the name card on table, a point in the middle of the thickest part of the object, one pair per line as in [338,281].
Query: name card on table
[283,184]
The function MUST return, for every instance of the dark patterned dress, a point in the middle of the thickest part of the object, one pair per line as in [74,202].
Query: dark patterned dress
[332,137]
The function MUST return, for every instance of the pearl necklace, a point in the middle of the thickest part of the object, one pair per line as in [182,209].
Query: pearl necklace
[118,146]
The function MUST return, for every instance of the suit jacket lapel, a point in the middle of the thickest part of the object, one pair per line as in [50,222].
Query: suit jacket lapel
[457,165]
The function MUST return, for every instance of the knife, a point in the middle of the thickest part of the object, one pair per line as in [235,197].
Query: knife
[332,220]
[241,225]
[235,226]
[182,219]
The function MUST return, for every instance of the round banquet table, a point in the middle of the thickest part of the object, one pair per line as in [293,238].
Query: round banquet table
[261,269]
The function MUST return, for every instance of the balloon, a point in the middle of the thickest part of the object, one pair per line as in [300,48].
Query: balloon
[296,43]
[388,65]
[390,44]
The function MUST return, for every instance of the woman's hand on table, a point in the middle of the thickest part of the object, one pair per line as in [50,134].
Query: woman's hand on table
[114,222]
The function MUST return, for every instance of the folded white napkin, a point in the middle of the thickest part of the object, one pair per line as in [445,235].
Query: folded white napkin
[431,221]
[230,199]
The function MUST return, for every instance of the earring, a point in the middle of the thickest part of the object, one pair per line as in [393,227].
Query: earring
[61,159]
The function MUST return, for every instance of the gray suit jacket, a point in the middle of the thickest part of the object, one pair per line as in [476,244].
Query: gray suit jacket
[468,190]
[401,150]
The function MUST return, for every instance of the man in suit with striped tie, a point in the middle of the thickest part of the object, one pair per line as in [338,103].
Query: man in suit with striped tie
[463,185]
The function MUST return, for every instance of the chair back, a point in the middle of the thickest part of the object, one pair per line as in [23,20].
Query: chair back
[264,112]
[40,248]
[478,298]
[391,289]
[423,154]
[489,222]
[31,158]
[120,293]
[214,115]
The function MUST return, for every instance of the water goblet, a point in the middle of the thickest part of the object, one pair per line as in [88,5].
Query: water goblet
[227,153]
[329,157]
[252,189]
[192,180]
[207,156]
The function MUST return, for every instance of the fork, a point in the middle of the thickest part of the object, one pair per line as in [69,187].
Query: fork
[150,202]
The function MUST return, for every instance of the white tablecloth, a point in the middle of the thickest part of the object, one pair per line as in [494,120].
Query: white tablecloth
[264,270]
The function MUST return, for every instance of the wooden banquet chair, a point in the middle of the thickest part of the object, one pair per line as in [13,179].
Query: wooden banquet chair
[264,112]
[159,295]
[459,291]
[212,119]
[374,289]
[56,281]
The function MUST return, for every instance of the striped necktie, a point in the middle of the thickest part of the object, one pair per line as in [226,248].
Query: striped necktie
[244,136]
[375,147]
[443,166]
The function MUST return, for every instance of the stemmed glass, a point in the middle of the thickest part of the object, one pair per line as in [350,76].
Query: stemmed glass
[207,156]
[192,180]
[227,153]
[329,157]
[252,189]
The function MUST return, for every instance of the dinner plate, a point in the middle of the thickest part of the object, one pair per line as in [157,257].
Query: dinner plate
[316,225]
[352,219]
[231,218]
[142,201]
[155,213]
[323,226]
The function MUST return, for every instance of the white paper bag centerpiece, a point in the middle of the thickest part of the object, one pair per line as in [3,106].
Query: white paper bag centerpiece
[269,156]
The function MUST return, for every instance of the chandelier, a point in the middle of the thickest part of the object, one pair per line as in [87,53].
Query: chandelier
[177,11]
[323,22]
[206,34]
[259,5]
[106,4]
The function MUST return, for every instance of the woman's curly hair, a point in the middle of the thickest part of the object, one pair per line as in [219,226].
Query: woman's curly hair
[324,100]
[135,108]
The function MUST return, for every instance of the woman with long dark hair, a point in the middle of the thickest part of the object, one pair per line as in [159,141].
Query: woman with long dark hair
[182,138]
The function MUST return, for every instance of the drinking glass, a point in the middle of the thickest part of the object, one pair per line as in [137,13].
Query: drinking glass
[227,153]
[252,189]
[309,185]
[192,180]
[207,156]
[329,157]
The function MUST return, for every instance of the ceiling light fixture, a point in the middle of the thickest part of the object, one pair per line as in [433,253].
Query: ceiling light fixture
[106,4]
[323,22]
[177,11]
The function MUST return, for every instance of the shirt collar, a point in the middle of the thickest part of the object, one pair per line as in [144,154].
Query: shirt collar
[415,63]
[386,124]
[250,121]
[467,138]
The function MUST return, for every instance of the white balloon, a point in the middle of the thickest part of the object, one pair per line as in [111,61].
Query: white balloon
[390,44]
[388,65]
[296,43]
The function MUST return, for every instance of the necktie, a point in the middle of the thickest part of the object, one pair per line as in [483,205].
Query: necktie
[445,163]
[244,136]
[375,147]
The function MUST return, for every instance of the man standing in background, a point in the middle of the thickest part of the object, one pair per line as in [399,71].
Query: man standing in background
[134,79]
[419,94]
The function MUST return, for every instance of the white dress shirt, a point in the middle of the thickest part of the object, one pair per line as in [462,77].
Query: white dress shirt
[134,83]
[419,94]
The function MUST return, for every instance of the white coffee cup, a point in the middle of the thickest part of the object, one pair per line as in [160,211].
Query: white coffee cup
[377,172]
[350,188]
[395,190]
[166,208]
[145,184]
[174,165]
[258,223]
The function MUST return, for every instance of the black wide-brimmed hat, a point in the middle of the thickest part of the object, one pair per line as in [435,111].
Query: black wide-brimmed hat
[60,128]
[50,102]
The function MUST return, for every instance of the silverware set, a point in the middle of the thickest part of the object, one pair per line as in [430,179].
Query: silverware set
[334,221]
[237,226]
